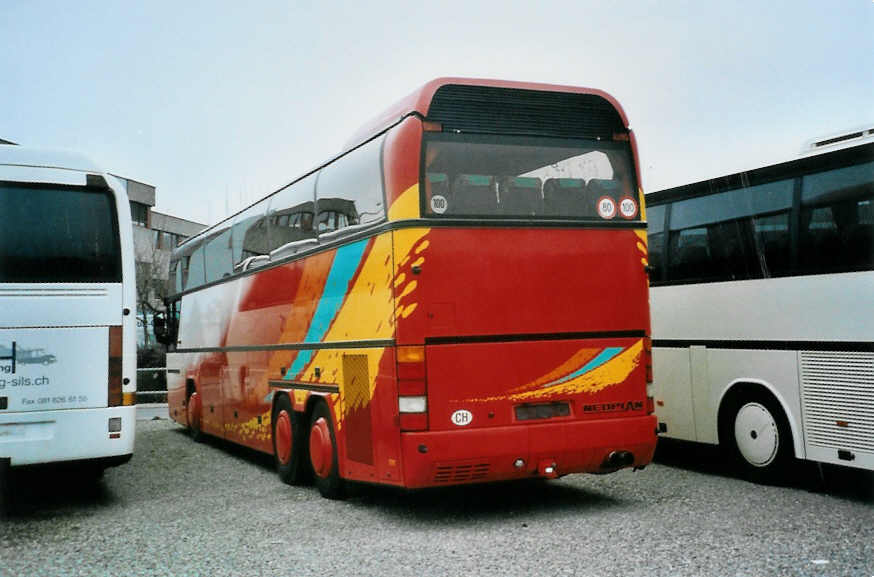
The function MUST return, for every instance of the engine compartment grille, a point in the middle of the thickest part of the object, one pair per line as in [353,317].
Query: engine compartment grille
[837,396]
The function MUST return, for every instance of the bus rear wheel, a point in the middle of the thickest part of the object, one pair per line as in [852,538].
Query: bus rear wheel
[323,454]
[759,438]
[287,442]
[193,412]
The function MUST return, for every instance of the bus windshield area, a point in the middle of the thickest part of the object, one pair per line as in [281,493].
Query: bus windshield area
[58,234]
[528,177]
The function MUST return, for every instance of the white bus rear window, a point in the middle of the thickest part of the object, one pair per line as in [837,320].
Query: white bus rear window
[58,234]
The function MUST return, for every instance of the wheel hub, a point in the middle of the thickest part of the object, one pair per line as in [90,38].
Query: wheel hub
[756,434]
[320,448]
[283,437]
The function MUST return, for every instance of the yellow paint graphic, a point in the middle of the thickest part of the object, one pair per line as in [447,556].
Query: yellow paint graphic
[369,313]
[406,205]
[642,202]
[579,359]
[641,234]
[613,372]
[251,429]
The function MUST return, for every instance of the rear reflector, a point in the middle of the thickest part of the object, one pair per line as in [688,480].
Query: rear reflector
[115,397]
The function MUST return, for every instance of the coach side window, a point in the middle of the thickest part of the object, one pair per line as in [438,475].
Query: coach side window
[837,220]
[349,190]
[655,218]
[193,272]
[217,253]
[249,234]
[289,215]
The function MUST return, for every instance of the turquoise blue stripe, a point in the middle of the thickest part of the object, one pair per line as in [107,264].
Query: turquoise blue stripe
[599,360]
[346,263]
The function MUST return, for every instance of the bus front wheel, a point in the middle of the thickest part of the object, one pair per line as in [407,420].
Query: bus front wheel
[287,442]
[193,413]
[323,454]
[758,437]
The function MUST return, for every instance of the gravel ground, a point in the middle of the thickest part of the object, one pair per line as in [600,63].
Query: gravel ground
[181,508]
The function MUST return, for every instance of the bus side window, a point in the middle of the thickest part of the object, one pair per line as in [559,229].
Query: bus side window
[217,253]
[656,241]
[249,235]
[195,275]
[349,190]
[837,220]
[289,216]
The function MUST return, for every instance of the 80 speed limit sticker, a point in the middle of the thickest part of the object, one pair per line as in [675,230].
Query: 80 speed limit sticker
[606,207]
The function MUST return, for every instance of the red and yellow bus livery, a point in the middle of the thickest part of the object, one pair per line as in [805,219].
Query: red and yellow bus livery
[460,297]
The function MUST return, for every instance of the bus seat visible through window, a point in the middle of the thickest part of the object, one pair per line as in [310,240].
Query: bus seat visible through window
[436,184]
[521,196]
[474,194]
[598,188]
[564,196]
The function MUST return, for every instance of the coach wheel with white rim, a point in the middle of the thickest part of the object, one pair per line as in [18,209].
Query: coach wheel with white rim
[193,412]
[287,442]
[760,437]
[323,454]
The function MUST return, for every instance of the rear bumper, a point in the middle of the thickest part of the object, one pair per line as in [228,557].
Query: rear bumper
[482,455]
[69,435]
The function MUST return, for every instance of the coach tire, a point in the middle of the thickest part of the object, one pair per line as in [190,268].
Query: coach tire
[323,454]
[758,436]
[287,442]
[194,412]
[5,487]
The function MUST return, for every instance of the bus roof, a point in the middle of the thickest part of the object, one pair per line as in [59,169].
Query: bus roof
[11,155]
[419,101]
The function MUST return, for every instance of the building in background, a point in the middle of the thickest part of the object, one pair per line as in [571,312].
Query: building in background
[155,236]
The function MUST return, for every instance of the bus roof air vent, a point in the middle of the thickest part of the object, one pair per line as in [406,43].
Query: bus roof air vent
[497,110]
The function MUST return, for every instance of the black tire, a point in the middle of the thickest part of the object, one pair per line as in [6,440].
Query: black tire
[194,414]
[288,455]
[5,488]
[323,459]
[756,435]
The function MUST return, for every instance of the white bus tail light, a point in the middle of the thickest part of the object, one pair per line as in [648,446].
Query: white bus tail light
[412,391]
[115,397]
[412,405]
[115,424]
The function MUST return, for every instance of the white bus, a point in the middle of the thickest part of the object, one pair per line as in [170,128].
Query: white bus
[67,332]
[762,300]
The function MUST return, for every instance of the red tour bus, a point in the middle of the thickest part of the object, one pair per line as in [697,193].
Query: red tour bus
[459,297]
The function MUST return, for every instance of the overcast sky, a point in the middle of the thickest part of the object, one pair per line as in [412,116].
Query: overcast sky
[219,103]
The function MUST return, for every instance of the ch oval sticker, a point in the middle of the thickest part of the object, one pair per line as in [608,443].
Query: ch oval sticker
[462,418]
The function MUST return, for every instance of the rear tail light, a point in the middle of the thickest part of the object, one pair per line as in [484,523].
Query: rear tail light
[115,397]
[412,391]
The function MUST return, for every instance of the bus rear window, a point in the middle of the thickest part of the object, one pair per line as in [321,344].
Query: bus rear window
[58,234]
[528,177]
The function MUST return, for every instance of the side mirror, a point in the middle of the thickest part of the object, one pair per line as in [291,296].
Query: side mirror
[162,333]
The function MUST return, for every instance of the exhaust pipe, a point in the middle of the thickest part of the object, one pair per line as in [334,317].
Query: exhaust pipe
[617,460]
